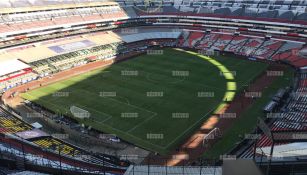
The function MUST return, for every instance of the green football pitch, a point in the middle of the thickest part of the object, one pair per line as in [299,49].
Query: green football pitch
[154,101]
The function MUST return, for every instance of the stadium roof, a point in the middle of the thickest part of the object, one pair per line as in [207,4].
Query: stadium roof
[10,66]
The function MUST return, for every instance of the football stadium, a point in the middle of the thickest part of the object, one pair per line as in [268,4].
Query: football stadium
[153,87]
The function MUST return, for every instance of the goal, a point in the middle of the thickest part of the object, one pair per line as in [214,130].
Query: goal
[212,135]
[79,112]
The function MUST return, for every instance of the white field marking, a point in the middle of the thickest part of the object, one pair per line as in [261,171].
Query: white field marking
[121,102]
[142,140]
[189,128]
[249,80]
[134,106]
[118,130]
[143,109]
[48,102]
[54,100]
[124,99]
[220,89]
[237,64]
[193,53]
[137,107]
[197,122]
[155,81]
[126,133]
[141,123]
[164,147]
[109,116]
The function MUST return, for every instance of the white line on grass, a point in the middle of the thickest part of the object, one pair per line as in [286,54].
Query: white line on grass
[237,64]
[137,107]
[155,81]
[124,99]
[118,130]
[136,126]
[154,114]
[250,79]
[45,101]
[126,133]
[109,116]
[128,104]
[144,121]
[197,122]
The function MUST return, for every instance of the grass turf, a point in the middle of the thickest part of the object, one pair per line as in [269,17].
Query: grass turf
[250,117]
[154,127]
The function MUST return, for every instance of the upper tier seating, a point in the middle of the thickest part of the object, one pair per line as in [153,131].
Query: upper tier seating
[36,20]
[128,38]
[246,45]
[291,10]
[40,3]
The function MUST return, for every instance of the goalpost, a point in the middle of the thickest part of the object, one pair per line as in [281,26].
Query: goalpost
[213,134]
[79,112]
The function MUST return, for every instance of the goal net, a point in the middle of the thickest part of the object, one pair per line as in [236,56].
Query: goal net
[212,135]
[79,112]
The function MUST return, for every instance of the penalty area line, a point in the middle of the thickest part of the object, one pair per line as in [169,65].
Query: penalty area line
[144,121]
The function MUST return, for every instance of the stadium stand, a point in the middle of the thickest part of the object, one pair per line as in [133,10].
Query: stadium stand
[250,46]
[39,19]
[260,10]
[13,73]
[290,54]
[236,44]
[207,41]
[66,61]
[40,38]
[148,36]
[268,48]
[184,39]
[54,144]
[293,118]
[46,162]
[10,124]
[246,45]
[222,42]
[194,38]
